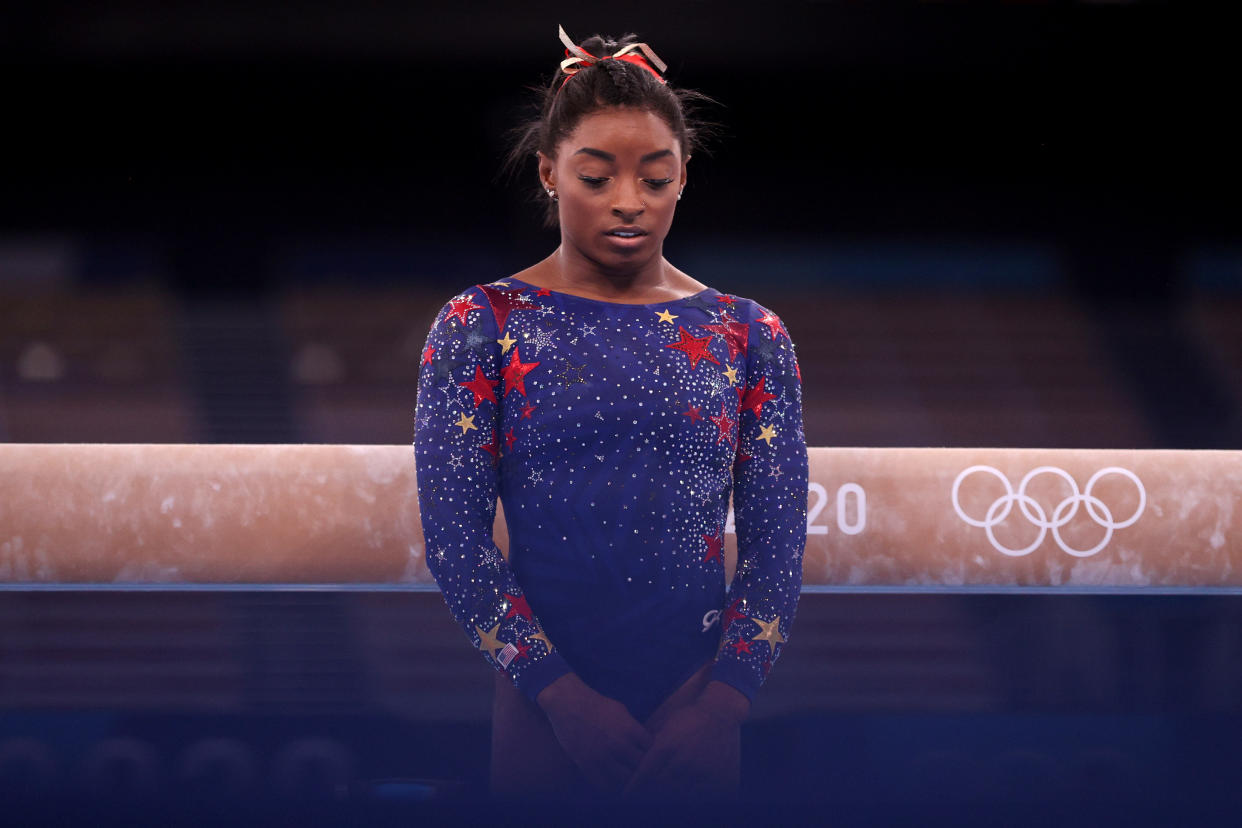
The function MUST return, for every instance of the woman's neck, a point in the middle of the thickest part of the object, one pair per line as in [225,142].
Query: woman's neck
[577,274]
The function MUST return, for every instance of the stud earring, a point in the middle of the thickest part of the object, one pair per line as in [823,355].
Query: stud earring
[551,194]
[679,192]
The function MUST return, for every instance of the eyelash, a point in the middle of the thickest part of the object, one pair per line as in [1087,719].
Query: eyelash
[595,183]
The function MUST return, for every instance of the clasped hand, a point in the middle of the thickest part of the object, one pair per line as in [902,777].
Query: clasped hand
[692,749]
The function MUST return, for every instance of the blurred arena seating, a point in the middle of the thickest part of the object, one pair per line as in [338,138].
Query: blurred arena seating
[242,697]
[354,360]
[878,369]
[91,365]
[1215,321]
[930,369]
[333,365]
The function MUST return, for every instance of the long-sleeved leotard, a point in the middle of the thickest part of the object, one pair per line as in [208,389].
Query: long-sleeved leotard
[613,434]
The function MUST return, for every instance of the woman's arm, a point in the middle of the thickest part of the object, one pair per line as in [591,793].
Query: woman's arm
[769,506]
[458,443]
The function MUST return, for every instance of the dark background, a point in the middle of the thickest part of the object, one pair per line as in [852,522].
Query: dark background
[1079,125]
[1000,224]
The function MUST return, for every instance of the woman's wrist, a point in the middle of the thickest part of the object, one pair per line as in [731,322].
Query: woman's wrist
[724,701]
[560,692]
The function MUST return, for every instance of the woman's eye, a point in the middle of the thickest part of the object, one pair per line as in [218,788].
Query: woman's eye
[656,183]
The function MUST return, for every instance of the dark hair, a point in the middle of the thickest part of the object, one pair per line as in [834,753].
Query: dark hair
[607,83]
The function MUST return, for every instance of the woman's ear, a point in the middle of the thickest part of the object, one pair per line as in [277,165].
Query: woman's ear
[682,184]
[547,172]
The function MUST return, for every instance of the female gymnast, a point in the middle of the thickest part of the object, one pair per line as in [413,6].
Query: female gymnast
[613,403]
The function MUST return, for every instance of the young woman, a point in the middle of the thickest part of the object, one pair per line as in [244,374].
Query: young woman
[613,403]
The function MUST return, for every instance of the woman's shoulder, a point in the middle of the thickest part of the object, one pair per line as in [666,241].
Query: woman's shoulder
[750,303]
[686,283]
[735,301]
[472,294]
[742,306]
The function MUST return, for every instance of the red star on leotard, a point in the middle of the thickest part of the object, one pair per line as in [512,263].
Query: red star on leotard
[543,292]
[773,323]
[754,398]
[481,386]
[693,347]
[731,614]
[740,646]
[728,300]
[742,456]
[427,355]
[734,334]
[527,410]
[713,548]
[723,424]
[693,414]
[518,606]
[522,650]
[509,439]
[460,309]
[493,448]
[504,301]
[515,373]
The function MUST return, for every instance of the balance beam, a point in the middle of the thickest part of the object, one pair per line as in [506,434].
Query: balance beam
[339,514]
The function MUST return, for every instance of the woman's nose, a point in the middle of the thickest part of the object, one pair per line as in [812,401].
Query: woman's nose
[629,200]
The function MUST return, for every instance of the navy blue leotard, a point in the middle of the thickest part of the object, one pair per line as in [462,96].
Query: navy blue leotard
[613,435]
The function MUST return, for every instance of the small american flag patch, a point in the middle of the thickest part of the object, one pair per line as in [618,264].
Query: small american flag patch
[507,654]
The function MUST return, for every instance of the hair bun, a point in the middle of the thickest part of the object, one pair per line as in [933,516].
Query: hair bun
[602,45]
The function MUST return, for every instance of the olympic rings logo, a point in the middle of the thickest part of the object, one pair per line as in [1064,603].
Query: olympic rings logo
[1061,515]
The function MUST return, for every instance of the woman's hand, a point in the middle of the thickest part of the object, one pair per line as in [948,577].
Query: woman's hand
[697,748]
[598,733]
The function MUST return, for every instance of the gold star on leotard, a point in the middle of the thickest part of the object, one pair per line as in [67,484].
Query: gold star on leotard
[770,632]
[767,434]
[731,373]
[488,640]
[665,316]
[506,343]
[466,423]
[542,636]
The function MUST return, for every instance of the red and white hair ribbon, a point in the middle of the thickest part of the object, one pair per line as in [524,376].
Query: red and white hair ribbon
[576,57]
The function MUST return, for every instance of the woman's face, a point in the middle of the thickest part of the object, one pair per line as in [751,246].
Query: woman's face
[617,176]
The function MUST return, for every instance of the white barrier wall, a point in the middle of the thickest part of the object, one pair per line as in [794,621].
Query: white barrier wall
[82,513]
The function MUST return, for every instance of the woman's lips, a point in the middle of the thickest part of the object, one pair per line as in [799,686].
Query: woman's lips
[624,242]
[627,240]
